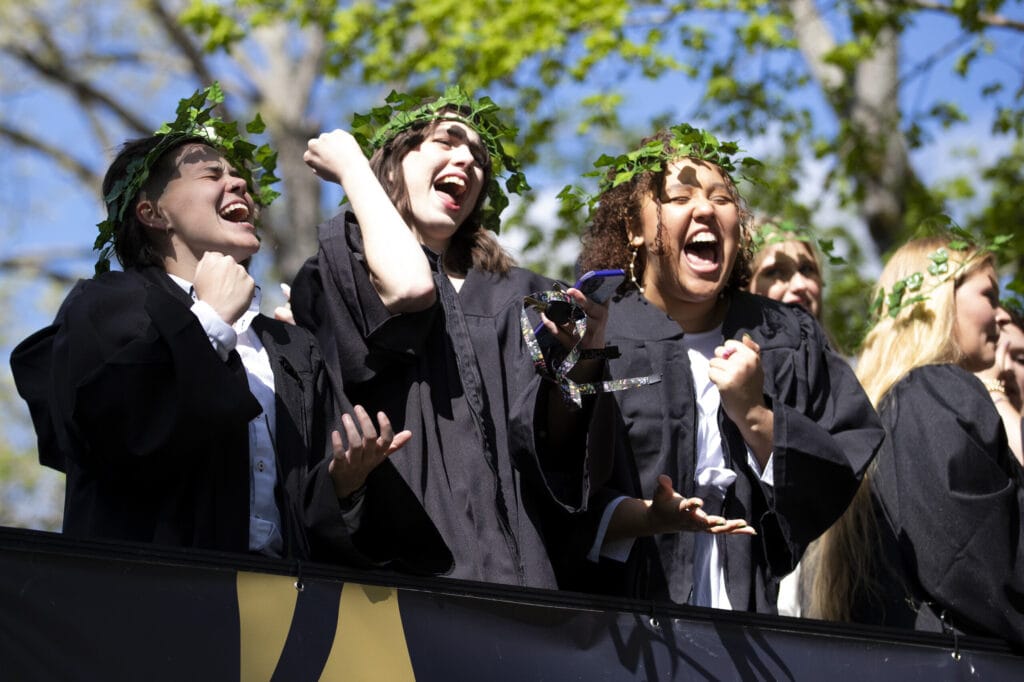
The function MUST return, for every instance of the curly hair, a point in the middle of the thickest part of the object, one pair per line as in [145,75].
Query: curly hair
[606,239]
[471,245]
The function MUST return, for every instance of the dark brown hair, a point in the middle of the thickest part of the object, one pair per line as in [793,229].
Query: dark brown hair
[471,245]
[606,239]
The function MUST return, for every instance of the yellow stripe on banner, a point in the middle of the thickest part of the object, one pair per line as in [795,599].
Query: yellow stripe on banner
[266,605]
[369,643]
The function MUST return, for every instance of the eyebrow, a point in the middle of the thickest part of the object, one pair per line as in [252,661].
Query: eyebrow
[454,130]
[675,183]
[459,133]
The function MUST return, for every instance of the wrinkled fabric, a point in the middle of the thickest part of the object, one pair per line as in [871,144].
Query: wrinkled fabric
[950,497]
[459,376]
[130,399]
[825,434]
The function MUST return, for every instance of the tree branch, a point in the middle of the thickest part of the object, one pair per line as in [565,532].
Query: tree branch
[178,37]
[59,74]
[58,154]
[994,20]
[43,264]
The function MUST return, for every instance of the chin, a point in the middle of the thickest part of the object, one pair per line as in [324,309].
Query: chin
[979,362]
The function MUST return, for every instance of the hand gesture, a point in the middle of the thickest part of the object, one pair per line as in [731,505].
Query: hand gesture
[736,371]
[331,154]
[1004,371]
[670,512]
[597,318]
[351,465]
[283,313]
[224,285]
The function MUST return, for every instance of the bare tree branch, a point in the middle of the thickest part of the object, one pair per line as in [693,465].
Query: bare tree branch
[995,20]
[59,74]
[181,39]
[59,155]
[42,264]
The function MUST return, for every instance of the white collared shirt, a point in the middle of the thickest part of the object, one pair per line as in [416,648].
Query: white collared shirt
[264,516]
[712,479]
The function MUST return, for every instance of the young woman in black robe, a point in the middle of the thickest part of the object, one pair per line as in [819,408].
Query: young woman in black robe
[755,419]
[935,538]
[180,415]
[417,310]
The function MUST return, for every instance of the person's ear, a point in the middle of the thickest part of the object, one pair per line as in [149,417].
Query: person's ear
[148,213]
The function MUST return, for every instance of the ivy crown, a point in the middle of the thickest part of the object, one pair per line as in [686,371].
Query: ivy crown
[402,111]
[943,266]
[777,231]
[195,119]
[653,156]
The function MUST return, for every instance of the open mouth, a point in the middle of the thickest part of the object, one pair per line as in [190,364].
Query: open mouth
[236,212]
[702,251]
[451,189]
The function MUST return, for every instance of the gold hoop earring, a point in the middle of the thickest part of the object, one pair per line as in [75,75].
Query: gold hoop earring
[633,251]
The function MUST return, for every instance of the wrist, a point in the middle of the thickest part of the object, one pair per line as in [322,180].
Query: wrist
[349,170]
[993,385]
[759,431]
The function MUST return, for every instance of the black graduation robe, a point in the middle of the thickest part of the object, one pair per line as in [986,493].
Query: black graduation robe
[459,377]
[950,496]
[826,433]
[130,400]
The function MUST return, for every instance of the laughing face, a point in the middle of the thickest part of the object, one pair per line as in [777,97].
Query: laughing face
[788,271]
[691,233]
[205,206]
[443,178]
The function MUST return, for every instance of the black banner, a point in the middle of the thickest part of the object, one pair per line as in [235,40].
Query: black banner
[72,610]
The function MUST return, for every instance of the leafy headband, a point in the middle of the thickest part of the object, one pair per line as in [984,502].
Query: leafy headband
[402,111]
[653,157]
[778,231]
[942,267]
[195,119]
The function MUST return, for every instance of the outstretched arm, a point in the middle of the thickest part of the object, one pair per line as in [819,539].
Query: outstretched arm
[668,512]
[398,268]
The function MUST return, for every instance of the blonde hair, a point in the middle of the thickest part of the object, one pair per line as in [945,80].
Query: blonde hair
[920,334]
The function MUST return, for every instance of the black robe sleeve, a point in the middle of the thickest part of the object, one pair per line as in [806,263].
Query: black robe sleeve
[131,400]
[954,495]
[825,434]
[383,524]
[132,371]
[334,298]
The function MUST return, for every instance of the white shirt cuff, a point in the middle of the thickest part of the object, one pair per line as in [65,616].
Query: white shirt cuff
[221,335]
[616,550]
[768,475]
